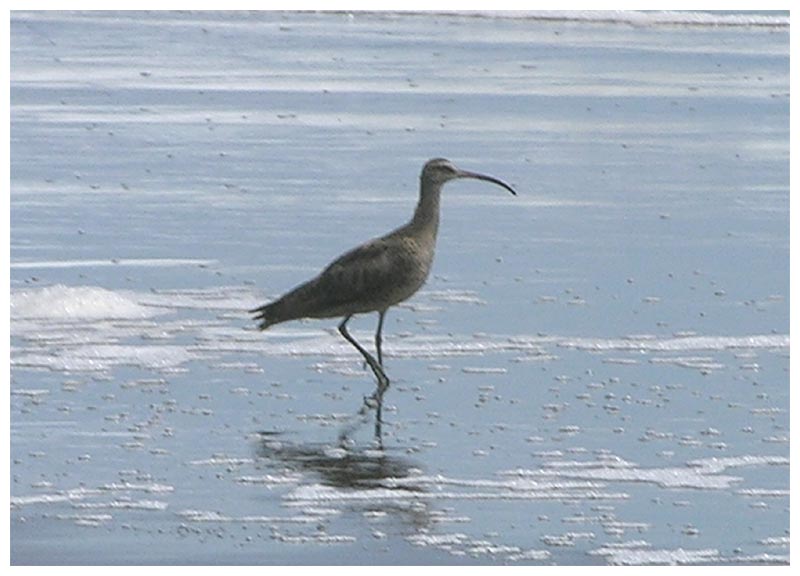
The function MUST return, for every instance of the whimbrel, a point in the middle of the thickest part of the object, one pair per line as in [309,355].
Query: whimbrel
[376,275]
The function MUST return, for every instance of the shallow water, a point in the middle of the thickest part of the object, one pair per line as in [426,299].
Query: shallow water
[595,373]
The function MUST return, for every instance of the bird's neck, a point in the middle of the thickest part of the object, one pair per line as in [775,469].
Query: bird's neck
[426,216]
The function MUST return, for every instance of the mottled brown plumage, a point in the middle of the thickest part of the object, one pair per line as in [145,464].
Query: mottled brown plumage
[369,278]
[376,275]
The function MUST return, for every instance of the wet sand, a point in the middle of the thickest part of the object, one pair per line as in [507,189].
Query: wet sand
[595,373]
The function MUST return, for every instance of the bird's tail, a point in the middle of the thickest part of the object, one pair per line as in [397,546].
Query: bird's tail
[290,306]
[268,314]
[302,302]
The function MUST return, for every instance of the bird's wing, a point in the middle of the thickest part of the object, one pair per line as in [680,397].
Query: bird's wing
[366,273]
[368,278]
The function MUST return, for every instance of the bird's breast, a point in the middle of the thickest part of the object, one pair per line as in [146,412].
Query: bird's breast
[413,261]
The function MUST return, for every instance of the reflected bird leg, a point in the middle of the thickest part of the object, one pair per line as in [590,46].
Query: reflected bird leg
[378,433]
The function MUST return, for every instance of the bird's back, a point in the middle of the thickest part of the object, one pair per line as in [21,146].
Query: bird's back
[371,277]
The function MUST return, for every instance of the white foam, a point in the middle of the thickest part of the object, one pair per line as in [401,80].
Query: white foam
[39,499]
[460,296]
[151,505]
[409,494]
[715,465]
[90,328]
[212,516]
[630,17]
[649,344]
[85,519]
[270,479]
[643,557]
[103,357]
[61,302]
[698,474]
[458,543]
[638,18]
[141,262]
[314,539]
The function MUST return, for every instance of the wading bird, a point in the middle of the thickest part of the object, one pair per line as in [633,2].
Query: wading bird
[376,275]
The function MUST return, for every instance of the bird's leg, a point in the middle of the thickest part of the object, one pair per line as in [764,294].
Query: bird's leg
[376,400]
[378,337]
[382,385]
[383,381]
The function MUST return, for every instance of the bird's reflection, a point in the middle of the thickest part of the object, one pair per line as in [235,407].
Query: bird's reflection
[338,467]
[367,479]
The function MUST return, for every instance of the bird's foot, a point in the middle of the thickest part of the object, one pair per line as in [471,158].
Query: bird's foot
[344,441]
[344,436]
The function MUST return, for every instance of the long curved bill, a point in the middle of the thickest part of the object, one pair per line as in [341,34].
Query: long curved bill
[493,180]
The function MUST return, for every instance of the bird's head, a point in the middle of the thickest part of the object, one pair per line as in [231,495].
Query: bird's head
[438,171]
